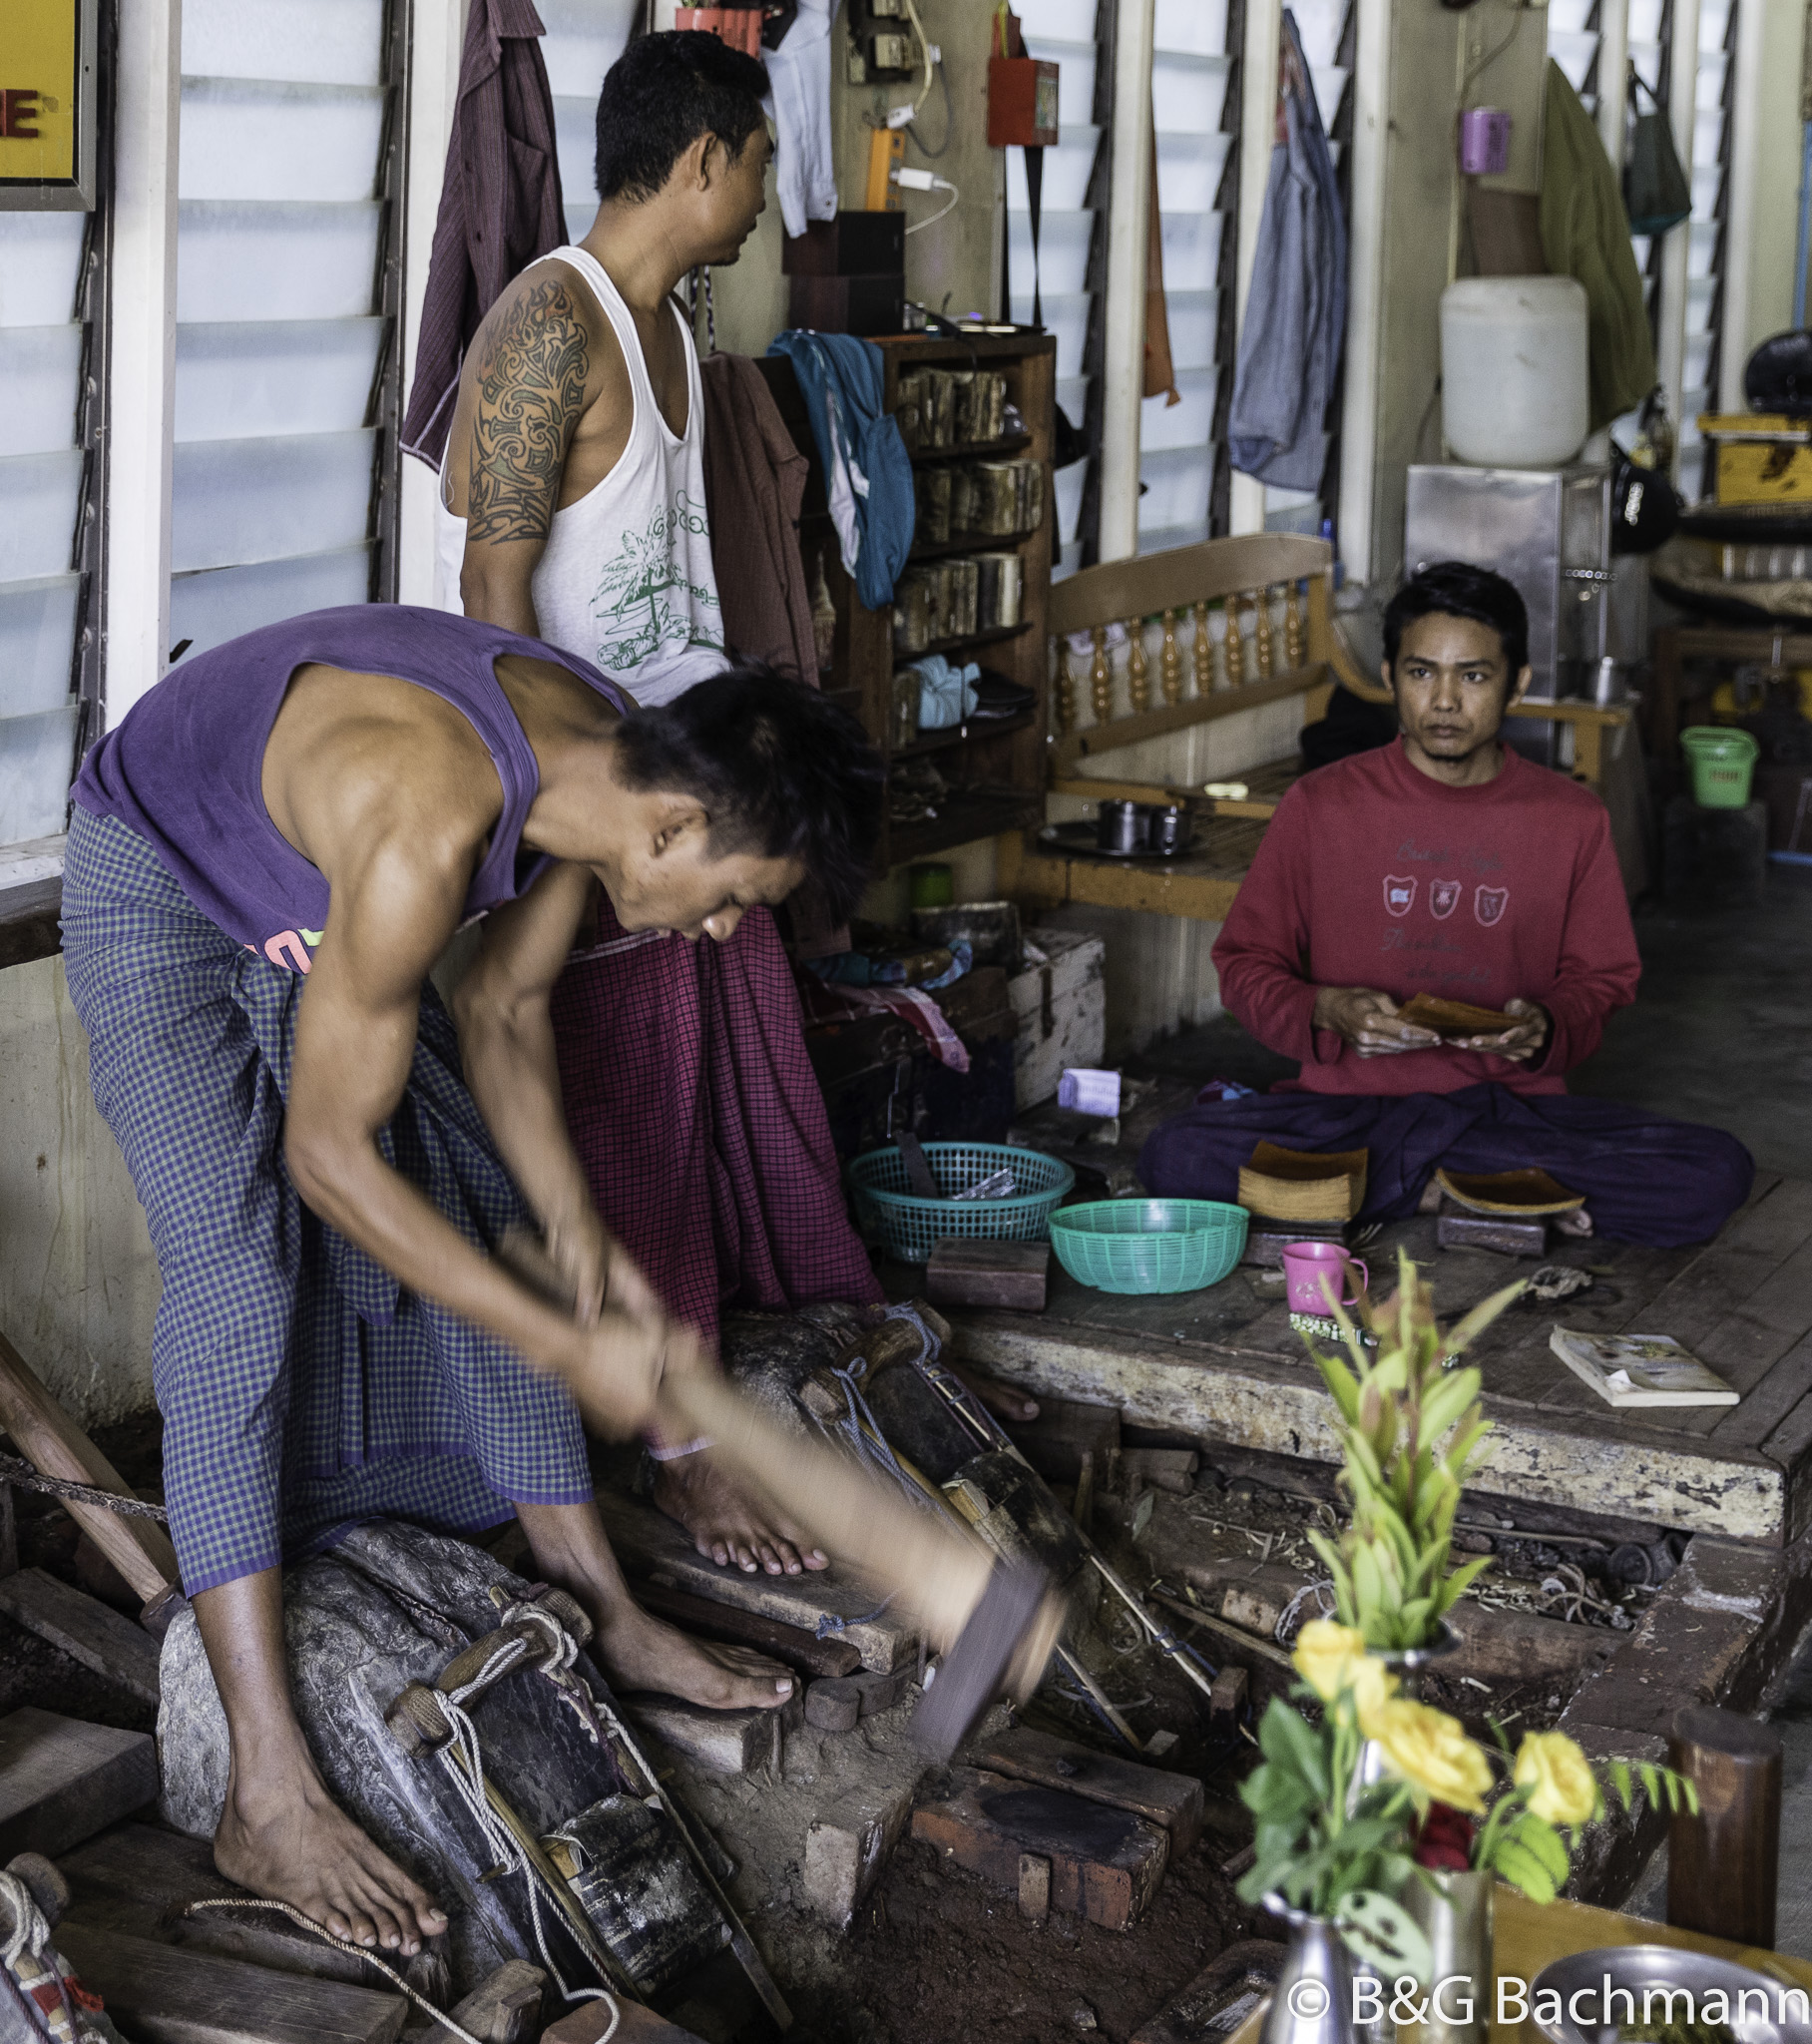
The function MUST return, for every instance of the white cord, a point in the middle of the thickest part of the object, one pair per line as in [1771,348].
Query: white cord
[925,181]
[925,46]
[464,1765]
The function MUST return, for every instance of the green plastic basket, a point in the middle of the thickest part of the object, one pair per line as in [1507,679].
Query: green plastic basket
[1722,764]
[908,1224]
[1149,1245]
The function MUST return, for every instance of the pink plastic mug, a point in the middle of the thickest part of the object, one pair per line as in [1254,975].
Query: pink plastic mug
[1305,1263]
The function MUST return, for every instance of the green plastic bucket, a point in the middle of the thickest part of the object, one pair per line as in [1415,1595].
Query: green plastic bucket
[1722,763]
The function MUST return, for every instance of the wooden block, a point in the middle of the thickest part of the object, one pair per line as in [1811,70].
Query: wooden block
[139,1878]
[1492,1232]
[1034,1887]
[1217,2003]
[1251,1609]
[988,1273]
[1172,1469]
[1056,1441]
[833,1706]
[647,1542]
[161,1994]
[712,1619]
[1228,1702]
[61,1779]
[721,1742]
[84,1627]
[847,1845]
[1160,1797]
[1106,1863]
[504,2008]
[48,1438]
[638,2025]
[881,1692]
[1268,1241]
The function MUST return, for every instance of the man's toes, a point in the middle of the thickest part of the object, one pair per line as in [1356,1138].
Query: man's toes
[719,1552]
[745,1561]
[768,1559]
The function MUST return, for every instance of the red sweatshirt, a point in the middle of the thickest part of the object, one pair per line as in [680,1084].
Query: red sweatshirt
[1372,874]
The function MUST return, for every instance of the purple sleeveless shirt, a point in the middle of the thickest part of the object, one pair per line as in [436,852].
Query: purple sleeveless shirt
[184,770]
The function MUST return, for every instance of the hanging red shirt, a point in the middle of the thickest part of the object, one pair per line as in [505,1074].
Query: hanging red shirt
[1372,874]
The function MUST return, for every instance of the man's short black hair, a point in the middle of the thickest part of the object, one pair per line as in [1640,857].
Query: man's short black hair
[1456,589]
[781,773]
[660,94]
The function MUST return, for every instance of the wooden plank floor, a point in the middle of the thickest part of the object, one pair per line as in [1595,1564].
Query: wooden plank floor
[1226,1366]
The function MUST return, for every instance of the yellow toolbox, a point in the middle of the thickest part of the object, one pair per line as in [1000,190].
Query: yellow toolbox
[1763,457]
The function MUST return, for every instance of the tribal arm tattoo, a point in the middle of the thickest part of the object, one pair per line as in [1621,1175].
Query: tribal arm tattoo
[531,391]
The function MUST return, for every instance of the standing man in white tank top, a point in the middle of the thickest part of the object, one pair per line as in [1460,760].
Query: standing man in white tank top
[572,509]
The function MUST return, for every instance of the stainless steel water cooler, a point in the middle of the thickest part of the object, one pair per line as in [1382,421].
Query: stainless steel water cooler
[1549,532]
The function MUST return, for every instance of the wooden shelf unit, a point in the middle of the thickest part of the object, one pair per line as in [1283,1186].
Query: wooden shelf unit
[996,771]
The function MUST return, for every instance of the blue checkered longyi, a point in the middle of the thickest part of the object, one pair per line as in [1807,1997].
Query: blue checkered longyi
[300,1391]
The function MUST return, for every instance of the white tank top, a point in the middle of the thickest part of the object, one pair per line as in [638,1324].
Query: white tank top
[627,580]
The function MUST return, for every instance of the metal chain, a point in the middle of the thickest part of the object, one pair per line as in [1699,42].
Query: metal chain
[13,1470]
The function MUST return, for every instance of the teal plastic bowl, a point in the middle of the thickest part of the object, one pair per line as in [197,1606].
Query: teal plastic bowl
[909,1225]
[1149,1245]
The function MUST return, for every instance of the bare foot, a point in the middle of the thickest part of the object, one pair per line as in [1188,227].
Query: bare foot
[726,1525]
[1001,1399]
[1579,1222]
[640,1652]
[291,1842]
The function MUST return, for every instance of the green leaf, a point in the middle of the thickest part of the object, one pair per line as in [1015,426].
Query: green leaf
[1384,1935]
[1515,1864]
[1540,1839]
[1620,1779]
[1287,1741]
[1462,1579]
[1475,1323]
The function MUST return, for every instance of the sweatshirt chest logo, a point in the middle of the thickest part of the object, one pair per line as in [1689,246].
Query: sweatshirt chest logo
[1399,894]
[1489,904]
[1444,899]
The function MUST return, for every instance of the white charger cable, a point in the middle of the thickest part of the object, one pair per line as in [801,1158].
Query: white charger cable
[925,181]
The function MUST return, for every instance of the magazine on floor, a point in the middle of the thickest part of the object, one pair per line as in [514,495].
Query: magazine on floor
[1641,1369]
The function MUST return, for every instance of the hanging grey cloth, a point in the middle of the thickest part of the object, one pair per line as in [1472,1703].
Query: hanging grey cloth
[1289,349]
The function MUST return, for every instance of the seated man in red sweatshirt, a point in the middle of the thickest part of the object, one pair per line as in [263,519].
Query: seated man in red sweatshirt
[1445,865]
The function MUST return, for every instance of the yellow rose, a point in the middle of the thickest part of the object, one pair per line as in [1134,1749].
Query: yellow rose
[1332,1659]
[1550,1764]
[1430,1751]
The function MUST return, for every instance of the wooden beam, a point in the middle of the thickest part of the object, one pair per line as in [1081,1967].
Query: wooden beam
[1047,882]
[1181,576]
[1172,717]
[84,1627]
[61,1779]
[56,1446]
[163,1994]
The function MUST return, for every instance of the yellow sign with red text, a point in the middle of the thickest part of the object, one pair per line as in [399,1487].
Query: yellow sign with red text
[41,64]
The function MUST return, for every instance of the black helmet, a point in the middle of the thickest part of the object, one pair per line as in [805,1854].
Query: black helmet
[1779,376]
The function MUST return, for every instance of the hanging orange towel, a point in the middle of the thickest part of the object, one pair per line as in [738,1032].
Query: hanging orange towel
[1160,376]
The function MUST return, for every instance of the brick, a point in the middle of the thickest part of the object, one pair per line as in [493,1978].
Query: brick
[719,1742]
[847,1846]
[881,1692]
[1612,1854]
[1173,1801]
[1228,1700]
[1034,1887]
[1172,1469]
[1106,1863]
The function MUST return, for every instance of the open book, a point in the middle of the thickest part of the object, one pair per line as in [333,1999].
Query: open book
[1641,1369]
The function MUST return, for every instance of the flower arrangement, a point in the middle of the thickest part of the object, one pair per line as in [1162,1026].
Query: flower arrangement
[1382,1790]
[1339,1847]
[1390,1568]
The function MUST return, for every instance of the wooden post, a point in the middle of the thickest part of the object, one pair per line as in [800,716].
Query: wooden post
[1723,1866]
[1292,624]
[1101,677]
[1138,667]
[1203,651]
[1261,630]
[1170,665]
[1235,657]
[1065,688]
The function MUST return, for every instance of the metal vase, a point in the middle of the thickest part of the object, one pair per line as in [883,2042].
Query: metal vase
[1454,1910]
[1312,2002]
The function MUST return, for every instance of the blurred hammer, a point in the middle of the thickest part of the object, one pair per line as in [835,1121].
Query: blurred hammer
[995,1624]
